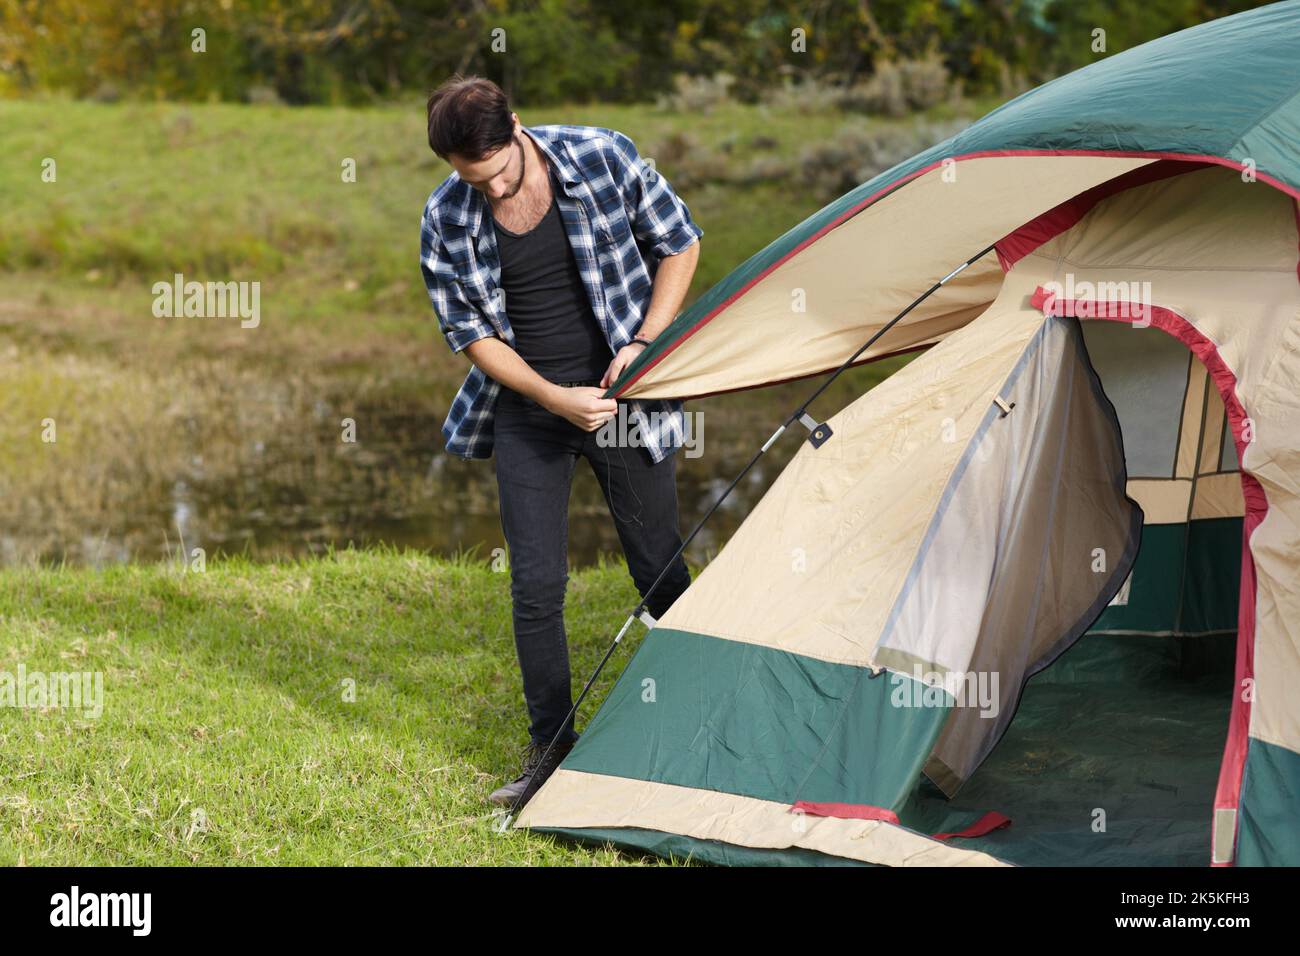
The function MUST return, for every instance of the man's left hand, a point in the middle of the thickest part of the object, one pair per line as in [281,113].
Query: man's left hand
[621,361]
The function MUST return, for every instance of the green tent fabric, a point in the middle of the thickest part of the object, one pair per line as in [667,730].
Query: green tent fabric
[1131,728]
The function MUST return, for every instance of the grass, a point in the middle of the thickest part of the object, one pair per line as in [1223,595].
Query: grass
[225,738]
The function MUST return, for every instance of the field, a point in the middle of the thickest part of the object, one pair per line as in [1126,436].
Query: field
[227,736]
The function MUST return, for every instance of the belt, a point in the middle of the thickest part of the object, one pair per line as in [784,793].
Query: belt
[590,383]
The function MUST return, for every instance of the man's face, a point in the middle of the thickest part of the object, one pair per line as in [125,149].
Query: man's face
[499,174]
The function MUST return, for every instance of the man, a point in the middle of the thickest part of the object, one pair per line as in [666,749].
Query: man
[553,256]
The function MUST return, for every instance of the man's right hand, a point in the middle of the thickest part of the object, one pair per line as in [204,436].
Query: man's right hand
[583,406]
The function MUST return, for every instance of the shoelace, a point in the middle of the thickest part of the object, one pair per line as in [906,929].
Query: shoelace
[532,760]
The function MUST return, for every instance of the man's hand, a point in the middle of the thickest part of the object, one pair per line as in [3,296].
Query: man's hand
[621,361]
[582,406]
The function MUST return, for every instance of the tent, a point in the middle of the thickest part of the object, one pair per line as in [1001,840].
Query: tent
[1036,599]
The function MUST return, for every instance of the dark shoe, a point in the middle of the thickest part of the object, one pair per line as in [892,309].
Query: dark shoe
[533,776]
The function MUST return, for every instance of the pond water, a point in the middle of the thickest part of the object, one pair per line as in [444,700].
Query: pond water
[291,492]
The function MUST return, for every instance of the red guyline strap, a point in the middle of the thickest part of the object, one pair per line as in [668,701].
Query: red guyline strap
[986,824]
[861,811]
[845,811]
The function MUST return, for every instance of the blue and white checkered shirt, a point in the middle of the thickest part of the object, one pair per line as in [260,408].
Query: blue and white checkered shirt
[621,218]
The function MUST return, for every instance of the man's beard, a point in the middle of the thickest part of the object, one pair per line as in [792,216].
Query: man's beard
[519,183]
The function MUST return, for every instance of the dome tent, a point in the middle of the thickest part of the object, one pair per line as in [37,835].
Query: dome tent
[1080,504]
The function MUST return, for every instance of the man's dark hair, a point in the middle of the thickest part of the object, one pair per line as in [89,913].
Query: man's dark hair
[469,116]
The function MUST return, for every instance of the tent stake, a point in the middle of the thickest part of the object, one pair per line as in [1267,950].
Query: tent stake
[798,415]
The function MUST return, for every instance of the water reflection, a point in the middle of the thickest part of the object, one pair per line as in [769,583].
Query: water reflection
[293,491]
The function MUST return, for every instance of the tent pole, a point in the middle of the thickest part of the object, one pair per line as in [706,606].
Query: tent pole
[795,416]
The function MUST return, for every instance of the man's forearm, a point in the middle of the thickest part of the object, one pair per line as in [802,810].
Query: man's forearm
[672,281]
[504,365]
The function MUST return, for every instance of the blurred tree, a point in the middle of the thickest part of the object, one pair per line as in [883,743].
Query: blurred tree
[304,51]
[1126,25]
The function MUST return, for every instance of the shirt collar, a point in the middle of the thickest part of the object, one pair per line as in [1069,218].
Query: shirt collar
[470,208]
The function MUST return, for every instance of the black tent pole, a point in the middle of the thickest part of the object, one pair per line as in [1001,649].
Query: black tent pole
[820,433]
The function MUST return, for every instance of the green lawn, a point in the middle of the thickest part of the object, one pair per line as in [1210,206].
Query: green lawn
[225,736]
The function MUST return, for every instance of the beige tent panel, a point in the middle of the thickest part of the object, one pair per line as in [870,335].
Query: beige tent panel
[1163,501]
[1195,402]
[1219,496]
[1171,501]
[1217,251]
[1274,716]
[897,248]
[1211,437]
[577,800]
[1275,462]
[816,567]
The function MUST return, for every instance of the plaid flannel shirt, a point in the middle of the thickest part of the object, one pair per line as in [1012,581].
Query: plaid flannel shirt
[621,217]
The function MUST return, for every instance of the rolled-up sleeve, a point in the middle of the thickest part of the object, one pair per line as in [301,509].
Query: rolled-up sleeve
[460,320]
[660,219]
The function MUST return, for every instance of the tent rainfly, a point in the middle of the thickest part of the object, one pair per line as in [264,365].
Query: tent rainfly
[1037,599]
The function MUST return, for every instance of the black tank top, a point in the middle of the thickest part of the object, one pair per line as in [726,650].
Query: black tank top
[547,305]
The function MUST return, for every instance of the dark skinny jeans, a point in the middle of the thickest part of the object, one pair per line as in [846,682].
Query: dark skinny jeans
[535,455]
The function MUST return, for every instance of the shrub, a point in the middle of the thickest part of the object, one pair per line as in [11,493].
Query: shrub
[697,94]
[896,89]
[926,82]
[808,95]
[831,168]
